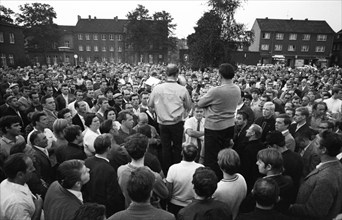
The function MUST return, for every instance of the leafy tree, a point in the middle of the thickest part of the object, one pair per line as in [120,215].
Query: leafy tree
[40,31]
[168,40]
[205,45]
[6,14]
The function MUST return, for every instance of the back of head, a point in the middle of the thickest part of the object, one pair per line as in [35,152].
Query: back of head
[14,164]
[204,181]
[102,143]
[136,146]
[172,70]
[227,71]
[90,211]
[275,137]
[69,172]
[106,126]
[332,142]
[266,192]
[228,161]
[189,152]
[59,125]
[140,184]
[71,132]
[271,156]
[145,130]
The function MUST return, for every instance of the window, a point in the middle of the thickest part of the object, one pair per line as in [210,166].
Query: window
[55,59]
[291,48]
[67,43]
[36,59]
[266,35]
[119,59]
[81,59]
[48,59]
[11,36]
[67,59]
[119,37]
[306,36]
[264,47]
[240,48]
[160,56]
[111,37]
[87,36]
[278,47]
[80,48]
[96,48]
[79,37]
[95,37]
[103,37]
[150,58]
[321,37]
[320,49]
[120,49]
[88,48]
[111,48]
[279,36]
[1,37]
[11,59]
[88,59]
[54,45]
[3,60]
[103,49]
[305,48]
[293,37]
[112,59]
[104,59]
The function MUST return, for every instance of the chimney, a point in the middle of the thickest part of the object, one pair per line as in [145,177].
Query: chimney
[306,19]
[94,17]
[78,17]
[116,18]
[266,18]
[89,17]
[291,19]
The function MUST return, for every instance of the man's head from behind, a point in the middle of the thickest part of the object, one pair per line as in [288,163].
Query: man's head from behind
[172,70]
[228,161]
[205,182]
[73,174]
[266,192]
[189,152]
[140,185]
[227,71]
[102,143]
[136,146]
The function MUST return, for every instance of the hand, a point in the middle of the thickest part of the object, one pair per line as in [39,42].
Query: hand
[38,202]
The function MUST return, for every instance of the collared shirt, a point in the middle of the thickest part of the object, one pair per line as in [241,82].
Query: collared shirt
[16,201]
[49,135]
[303,151]
[6,144]
[285,132]
[99,156]
[322,163]
[297,128]
[66,99]
[43,150]
[192,123]
[78,194]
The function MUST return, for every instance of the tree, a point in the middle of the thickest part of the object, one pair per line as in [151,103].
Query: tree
[6,14]
[168,41]
[205,45]
[40,31]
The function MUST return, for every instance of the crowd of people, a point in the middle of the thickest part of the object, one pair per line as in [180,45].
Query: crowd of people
[119,141]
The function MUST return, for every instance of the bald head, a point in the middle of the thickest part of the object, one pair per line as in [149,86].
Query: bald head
[143,119]
[171,70]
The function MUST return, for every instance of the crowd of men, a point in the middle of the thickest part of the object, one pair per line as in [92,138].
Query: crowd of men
[119,141]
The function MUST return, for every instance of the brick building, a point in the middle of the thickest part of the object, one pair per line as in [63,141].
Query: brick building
[336,58]
[293,42]
[12,52]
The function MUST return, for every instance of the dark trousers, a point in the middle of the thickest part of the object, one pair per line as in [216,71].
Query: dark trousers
[171,139]
[216,140]
[174,209]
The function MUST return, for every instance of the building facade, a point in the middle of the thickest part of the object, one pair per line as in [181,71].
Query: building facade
[336,58]
[292,42]
[12,52]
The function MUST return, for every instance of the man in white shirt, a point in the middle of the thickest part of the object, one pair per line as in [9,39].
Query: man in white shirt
[334,103]
[16,199]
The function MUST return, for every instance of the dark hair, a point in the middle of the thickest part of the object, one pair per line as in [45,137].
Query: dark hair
[106,126]
[90,211]
[44,98]
[145,130]
[287,119]
[36,117]
[133,95]
[189,152]
[271,156]
[18,148]
[205,182]
[76,104]
[107,111]
[266,191]
[243,114]
[143,93]
[34,136]
[226,70]
[228,161]
[109,89]
[69,172]
[8,121]
[100,100]
[62,112]
[315,105]
[88,119]
[140,184]
[123,115]
[14,164]
[255,90]
[136,145]
[71,132]
[332,143]
[102,143]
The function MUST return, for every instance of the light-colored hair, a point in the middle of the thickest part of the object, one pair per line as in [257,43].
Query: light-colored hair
[257,130]
[229,161]
[59,125]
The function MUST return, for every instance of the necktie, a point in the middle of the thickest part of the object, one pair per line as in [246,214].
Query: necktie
[199,144]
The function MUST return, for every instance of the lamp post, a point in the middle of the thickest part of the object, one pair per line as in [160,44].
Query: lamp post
[75,56]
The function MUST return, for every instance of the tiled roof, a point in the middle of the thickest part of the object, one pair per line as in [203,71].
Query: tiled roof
[295,26]
[101,25]
[66,28]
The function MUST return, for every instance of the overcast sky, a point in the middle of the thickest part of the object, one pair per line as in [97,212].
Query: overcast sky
[186,13]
